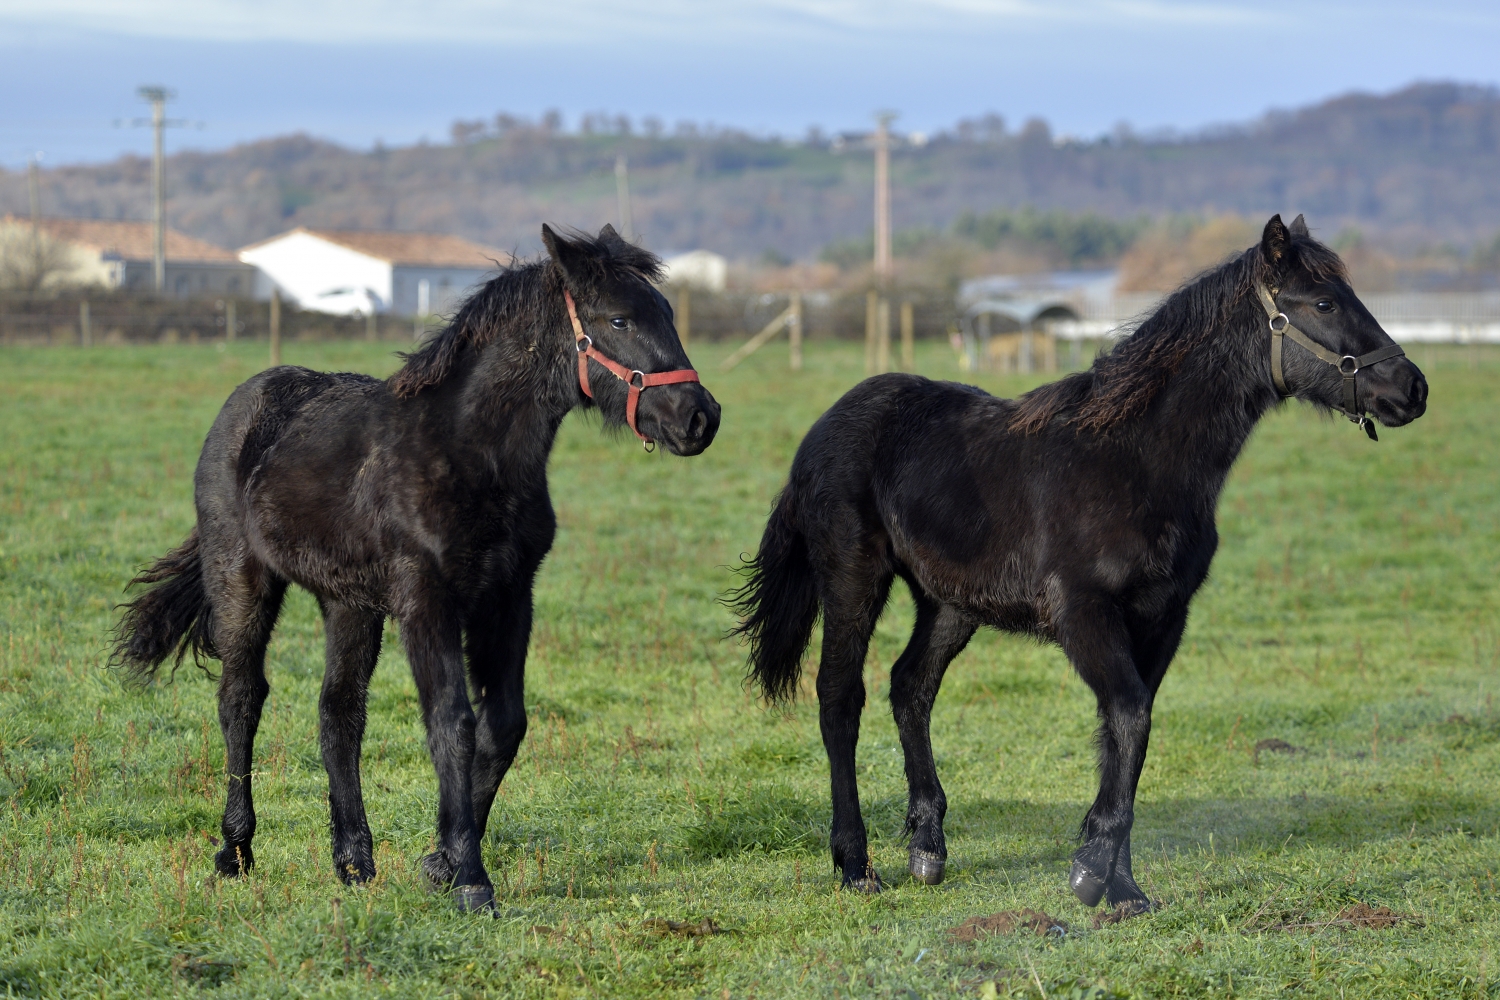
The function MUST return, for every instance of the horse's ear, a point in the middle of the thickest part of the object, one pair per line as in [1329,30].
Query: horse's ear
[1274,242]
[569,258]
[1299,228]
[608,234]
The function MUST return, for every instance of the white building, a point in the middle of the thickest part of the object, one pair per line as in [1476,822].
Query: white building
[355,271]
[700,269]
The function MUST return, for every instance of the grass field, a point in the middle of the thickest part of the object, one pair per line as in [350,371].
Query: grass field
[1352,614]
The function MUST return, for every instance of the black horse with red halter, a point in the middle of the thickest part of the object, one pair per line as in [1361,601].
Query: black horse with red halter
[637,380]
[1347,364]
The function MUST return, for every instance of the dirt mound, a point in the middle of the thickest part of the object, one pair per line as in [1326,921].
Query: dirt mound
[1372,917]
[1276,746]
[1007,922]
[682,928]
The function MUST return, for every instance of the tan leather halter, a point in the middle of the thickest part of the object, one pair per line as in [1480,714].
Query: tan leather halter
[1347,364]
[637,380]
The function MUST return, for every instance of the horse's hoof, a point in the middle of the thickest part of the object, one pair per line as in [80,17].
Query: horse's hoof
[869,885]
[475,898]
[438,871]
[355,873]
[1088,887]
[925,866]
[234,861]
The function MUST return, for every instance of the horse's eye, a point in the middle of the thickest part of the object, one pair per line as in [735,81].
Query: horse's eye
[619,322]
[1323,306]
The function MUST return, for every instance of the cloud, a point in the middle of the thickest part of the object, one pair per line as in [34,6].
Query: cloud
[587,22]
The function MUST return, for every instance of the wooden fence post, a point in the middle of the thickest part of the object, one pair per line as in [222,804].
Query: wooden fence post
[685,315]
[872,306]
[229,321]
[275,327]
[794,332]
[908,338]
[85,331]
[883,344]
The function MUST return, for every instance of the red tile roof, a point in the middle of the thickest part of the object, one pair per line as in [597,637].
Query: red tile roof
[411,249]
[130,240]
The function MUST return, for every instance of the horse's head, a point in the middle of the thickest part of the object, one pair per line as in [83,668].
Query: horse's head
[1326,347]
[626,336]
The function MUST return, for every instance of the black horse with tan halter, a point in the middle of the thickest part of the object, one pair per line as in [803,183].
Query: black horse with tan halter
[1081,514]
[422,497]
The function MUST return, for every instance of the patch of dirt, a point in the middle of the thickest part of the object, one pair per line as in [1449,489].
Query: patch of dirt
[202,971]
[1122,912]
[1276,746]
[1008,922]
[1362,916]
[682,928]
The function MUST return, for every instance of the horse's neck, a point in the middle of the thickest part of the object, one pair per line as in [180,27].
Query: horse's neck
[512,399]
[1211,405]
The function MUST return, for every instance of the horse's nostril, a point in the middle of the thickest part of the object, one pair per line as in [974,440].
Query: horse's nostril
[698,424]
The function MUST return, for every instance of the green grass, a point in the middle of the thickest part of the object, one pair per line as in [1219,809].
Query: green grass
[1352,612]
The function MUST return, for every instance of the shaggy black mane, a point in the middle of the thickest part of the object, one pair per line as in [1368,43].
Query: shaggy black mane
[1121,384]
[524,288]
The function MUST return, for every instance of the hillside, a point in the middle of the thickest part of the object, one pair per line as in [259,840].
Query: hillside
[1417,167]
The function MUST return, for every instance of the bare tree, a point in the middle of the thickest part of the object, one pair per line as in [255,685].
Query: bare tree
[30,260]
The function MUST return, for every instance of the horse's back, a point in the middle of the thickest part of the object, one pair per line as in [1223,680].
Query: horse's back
[267,417]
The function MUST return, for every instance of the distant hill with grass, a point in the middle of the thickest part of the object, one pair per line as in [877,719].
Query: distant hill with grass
[1416,168]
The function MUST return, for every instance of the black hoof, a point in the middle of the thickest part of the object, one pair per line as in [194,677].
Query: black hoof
[869,883]
[925,866]
[355,873]
[1088,887]
[438,870]
[475,898]
[232,861]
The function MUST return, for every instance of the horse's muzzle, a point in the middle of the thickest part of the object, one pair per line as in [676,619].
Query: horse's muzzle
[1397,397]
[683,417]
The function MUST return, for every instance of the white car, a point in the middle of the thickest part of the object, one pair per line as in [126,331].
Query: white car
[346,301]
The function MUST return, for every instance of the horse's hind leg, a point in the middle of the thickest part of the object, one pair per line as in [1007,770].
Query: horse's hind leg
[940,634]
[853,602]
[353,647]
[245,604]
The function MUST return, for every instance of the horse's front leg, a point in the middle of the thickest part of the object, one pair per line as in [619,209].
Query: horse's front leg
[940,634]
[352,650]
[1094,635]
[432,636]
[497,671]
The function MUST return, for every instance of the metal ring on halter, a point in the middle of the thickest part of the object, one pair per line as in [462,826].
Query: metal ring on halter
[1348,371]
[631,380]
[1284,322]
[584,344]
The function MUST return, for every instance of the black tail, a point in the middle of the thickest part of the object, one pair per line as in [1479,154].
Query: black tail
[167,619]
[778,605]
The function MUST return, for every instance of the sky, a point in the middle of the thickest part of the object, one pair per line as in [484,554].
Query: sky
[399,72]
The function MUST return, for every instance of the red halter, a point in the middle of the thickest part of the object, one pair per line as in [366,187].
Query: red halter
[637,380]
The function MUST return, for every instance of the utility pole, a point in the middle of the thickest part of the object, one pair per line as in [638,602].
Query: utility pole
[883,197]
[158,96]
[882,331]
[34,189]
[622,196]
